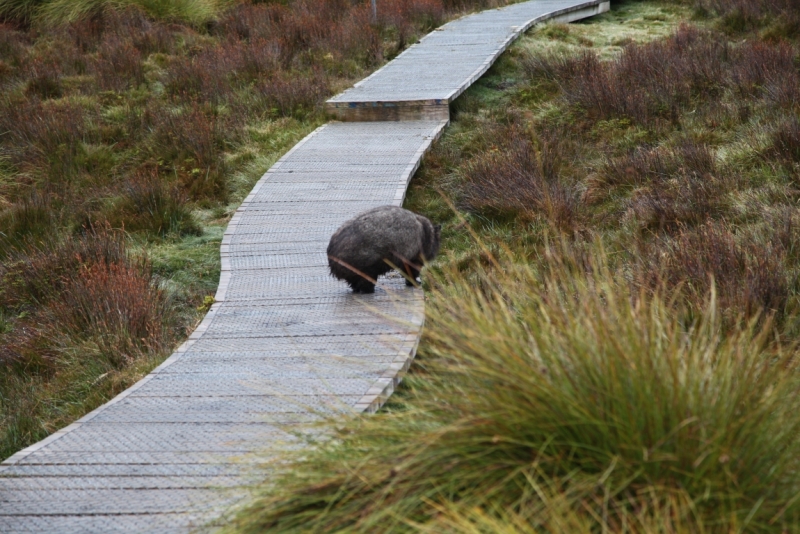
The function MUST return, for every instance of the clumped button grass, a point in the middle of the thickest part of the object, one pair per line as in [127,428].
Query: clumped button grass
[557,399]
[57,11]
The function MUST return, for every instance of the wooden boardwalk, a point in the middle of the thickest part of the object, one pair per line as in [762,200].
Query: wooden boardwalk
[284,342]
[421,82]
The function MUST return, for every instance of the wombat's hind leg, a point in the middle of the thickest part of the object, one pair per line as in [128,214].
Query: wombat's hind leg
[361,285]
[412,274]
[413,279]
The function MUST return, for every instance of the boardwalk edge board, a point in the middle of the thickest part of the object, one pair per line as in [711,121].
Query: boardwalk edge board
[281,321]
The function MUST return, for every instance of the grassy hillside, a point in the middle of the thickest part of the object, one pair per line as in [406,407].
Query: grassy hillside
[611,331]
[129,133]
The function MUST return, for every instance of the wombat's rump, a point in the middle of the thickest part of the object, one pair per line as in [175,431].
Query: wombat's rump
[363,247]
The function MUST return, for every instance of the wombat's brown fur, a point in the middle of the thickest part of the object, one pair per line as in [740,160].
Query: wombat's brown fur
[363,247]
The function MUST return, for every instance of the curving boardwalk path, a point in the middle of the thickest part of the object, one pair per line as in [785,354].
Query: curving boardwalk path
[284,342]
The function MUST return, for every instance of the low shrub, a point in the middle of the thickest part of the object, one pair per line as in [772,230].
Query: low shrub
[555,66]
[116,306]
[643,166]
[33,276]
[460,5]
[520,178]
[119,64]
[403,15]
[654,80]
[748,272]
[664,188]
[307,27]
[46,133]
[132,23]
[326,34]
[12,51]
[786,143]
[747,15]
[690,200]
[86,34]
[83,289]
[258,59]
[205,76]
[766,71]
[191,142]
[357,39]
[287,94]
[652,83]
[44,80]
[250,21]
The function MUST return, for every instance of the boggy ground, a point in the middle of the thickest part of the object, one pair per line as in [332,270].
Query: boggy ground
[611,331]
[129,133]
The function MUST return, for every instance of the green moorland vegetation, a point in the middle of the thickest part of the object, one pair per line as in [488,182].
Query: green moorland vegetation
[612,325]
[130,130]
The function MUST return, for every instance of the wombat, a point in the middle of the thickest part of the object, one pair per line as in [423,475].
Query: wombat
[363,247]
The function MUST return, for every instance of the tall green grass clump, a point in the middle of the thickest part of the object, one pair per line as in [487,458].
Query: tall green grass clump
[149,205]
[558,399]
[61,11]
[28,221]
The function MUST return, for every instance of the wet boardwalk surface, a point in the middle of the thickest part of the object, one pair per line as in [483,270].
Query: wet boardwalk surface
[284,343]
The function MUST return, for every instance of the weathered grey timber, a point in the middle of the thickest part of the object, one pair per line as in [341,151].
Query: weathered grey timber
[421,82]
[284,342]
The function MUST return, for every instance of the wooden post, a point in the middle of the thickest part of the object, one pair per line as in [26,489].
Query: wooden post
[374,12]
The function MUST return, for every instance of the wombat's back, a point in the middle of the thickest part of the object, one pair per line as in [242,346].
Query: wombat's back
[376,234]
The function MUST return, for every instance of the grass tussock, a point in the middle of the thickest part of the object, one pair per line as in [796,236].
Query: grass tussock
[29,221]
[786,143]
[149,205]
[191,142]
[559,399]
[44,136]
[63,11]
